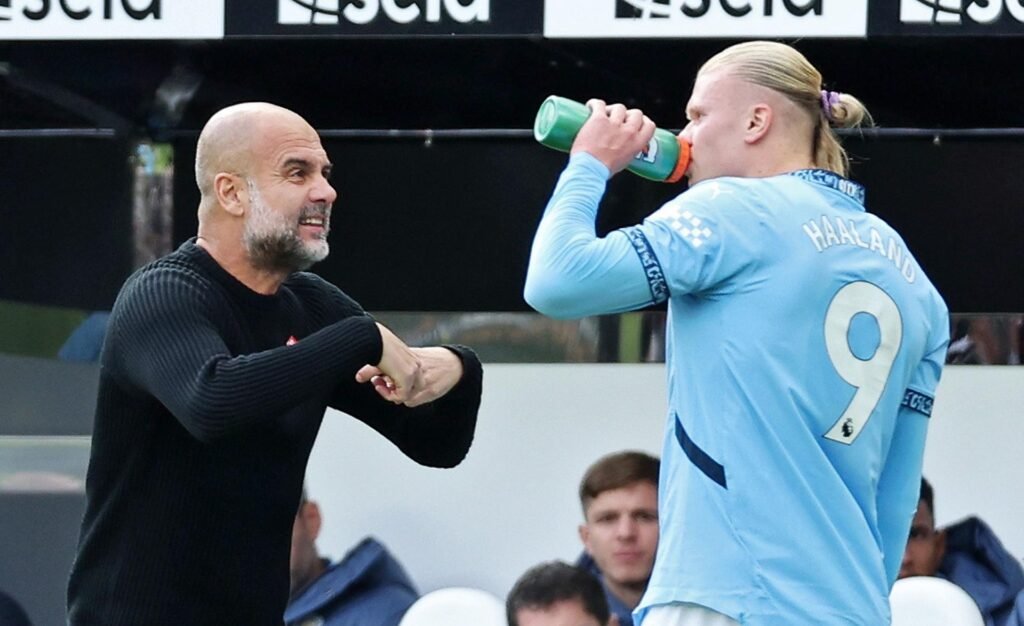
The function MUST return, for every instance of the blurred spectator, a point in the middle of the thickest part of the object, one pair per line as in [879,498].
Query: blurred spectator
[1017,615]
[926,545]
[986,340]
[85,342]
[966,553]
[368,587]
[619,495]
[556,594]
[11,613]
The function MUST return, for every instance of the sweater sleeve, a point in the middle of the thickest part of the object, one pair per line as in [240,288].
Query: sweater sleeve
[437,434]
[165,340]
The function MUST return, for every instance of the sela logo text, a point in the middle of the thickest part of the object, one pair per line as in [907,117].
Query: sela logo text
[635,9]
[366,11]
[959,11]
[37,10]
[705,18]
[111,19]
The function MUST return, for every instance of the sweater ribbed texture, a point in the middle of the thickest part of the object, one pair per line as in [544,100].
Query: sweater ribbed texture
[204,422]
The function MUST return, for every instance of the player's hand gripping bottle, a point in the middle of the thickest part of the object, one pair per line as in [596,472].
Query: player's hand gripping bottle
[559,120]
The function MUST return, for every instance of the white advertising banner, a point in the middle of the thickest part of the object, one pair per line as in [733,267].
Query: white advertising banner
[111,19]
[961,11]
[705,18]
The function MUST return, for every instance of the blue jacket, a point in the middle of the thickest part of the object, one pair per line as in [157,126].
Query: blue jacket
[977,561]
[366,588]
[85,342]
[11,613]
[1017,615]
[616,606]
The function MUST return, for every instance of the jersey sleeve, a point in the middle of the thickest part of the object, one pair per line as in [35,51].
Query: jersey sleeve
[899,484]
[700,241]
[572,272]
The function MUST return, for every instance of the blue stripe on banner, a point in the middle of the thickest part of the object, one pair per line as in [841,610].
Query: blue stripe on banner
[917,401]
[652,267]
[710,467]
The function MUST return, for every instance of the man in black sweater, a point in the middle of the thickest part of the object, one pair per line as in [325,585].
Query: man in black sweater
[219,362]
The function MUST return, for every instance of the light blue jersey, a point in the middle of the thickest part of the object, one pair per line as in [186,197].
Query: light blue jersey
[804,348]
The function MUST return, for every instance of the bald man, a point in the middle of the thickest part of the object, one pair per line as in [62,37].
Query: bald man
[218,365]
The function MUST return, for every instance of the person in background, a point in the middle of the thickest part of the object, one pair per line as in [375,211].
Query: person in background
[557,594]
[367,587]
[11,613]
[967,554]
[619,497]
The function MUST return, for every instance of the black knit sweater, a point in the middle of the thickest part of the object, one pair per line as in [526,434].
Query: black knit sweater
[204,423]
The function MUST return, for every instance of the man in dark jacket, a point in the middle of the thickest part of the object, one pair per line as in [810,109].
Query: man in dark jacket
[966,553]
[11,613]
[368,587]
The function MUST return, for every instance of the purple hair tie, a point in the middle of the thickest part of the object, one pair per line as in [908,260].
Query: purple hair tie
[828,100]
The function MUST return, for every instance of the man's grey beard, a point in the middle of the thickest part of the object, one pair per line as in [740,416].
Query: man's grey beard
[273,244]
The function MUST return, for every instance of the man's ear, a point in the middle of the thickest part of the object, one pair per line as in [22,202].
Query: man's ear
[313,519]
[584,534]
[759,121]
[940,545]
[231,194]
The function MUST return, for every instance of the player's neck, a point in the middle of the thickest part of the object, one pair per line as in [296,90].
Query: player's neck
[779,157]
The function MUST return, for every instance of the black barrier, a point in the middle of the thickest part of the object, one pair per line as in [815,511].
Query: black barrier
[65,220]
[446,224]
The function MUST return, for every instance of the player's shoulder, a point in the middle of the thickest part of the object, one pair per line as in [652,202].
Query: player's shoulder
[732,191]
[724,199]
[720,189]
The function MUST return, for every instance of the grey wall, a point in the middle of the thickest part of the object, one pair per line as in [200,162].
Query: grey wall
[40,532]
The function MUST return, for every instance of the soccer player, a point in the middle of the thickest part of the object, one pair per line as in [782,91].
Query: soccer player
[804,346]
